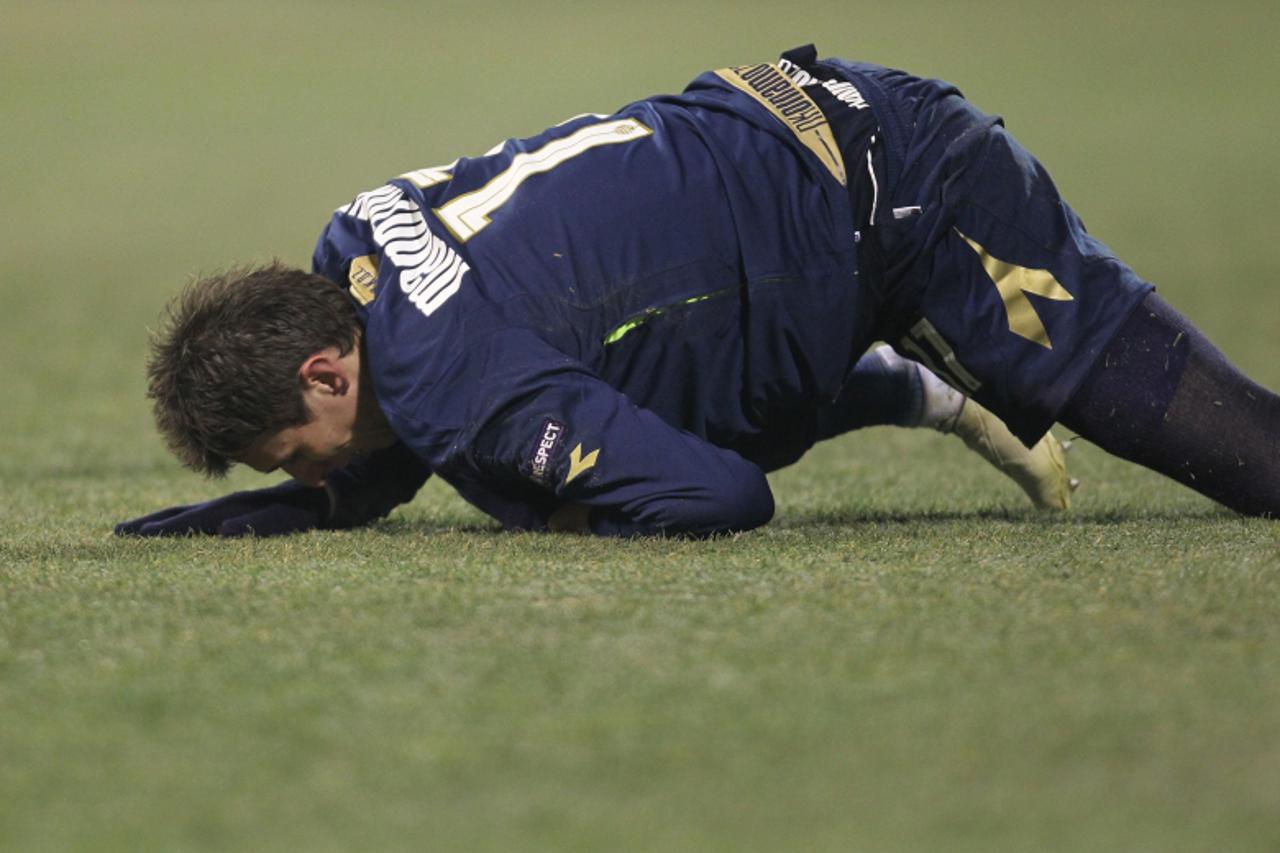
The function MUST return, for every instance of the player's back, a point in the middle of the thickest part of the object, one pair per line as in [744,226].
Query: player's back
[687,250]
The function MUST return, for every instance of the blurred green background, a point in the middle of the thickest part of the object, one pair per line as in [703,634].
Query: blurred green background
[904,660]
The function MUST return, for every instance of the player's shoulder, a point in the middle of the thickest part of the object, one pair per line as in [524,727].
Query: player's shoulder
[382,246]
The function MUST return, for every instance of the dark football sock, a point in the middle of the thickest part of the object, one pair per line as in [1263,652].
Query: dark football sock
[1165,397]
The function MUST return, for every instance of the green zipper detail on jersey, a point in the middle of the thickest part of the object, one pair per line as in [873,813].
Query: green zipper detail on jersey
[649,313]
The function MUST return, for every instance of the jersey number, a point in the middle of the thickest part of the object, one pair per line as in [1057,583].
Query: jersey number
[468,214]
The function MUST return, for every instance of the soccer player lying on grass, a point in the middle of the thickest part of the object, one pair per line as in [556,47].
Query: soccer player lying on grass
[621,323]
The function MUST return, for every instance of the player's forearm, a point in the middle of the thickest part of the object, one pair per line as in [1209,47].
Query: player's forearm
[560,431]
[730,504]
[734,503]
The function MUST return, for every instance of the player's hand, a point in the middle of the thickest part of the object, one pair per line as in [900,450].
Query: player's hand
[287,508]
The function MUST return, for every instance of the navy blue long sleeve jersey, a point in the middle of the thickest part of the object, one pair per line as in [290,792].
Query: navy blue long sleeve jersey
[645,311]
[625,311]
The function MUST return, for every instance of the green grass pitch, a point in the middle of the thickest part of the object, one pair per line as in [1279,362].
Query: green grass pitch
[906,659]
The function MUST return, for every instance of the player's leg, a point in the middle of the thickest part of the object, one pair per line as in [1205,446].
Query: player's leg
[1165,397]
[1000,286]
[886,389]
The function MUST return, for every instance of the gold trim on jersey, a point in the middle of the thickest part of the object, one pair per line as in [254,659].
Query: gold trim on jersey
[468,214]
[788,103]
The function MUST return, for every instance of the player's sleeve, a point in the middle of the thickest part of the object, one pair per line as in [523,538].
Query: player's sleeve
[551,423]
[516,505]
[346,236]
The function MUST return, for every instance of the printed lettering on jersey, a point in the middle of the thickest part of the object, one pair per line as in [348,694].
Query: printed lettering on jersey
[549,438]
[363,278]
[943,361]
[773,89]
[430,271]
[842,90]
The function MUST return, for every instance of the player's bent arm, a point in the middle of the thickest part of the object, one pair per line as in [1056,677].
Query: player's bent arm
[587,443]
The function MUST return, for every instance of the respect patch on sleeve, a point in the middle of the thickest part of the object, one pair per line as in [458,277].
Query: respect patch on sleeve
[549,439]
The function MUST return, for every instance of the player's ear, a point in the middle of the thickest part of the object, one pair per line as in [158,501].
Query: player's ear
[323,372]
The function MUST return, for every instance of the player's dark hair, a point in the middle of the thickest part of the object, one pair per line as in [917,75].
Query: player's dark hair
[223,369]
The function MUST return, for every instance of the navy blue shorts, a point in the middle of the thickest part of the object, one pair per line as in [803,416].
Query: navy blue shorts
[990,278]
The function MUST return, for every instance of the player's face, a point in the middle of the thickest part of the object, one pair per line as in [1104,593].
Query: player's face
[337,430]
[311,451]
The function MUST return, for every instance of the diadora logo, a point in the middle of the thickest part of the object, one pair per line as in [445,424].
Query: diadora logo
[1014,282]
[579,464]
[548,440]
